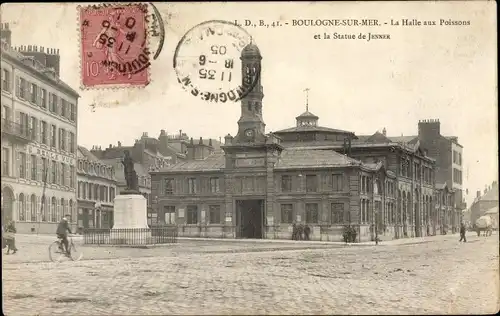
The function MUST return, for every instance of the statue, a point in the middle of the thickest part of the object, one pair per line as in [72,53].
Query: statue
[130,174]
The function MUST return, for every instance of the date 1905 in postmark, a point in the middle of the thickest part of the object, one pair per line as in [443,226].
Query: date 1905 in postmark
[114,45]
[208,62]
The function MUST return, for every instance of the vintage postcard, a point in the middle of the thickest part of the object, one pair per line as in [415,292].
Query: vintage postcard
[237,158]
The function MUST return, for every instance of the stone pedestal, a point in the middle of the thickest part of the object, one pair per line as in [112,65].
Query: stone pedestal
[130,220]
[130,211]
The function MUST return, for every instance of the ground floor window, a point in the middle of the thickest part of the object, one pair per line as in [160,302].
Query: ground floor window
[338,214]
[192,214]
[169,214]
[214,214]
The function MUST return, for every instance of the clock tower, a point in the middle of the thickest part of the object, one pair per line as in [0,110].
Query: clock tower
[251,127]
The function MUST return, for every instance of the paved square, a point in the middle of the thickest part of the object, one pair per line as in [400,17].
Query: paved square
[442,276]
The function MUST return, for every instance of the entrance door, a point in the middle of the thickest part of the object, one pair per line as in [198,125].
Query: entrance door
[7,205]
[250,218]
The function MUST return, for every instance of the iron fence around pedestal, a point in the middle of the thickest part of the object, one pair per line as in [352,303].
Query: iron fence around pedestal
[130,236]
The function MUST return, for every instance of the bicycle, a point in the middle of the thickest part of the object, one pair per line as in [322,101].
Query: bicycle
[57,252]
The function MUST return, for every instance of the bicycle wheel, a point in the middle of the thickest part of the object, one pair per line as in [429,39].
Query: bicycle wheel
[76,253]
[55,254]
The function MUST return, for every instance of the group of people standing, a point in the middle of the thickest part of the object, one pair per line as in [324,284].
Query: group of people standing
[9,237]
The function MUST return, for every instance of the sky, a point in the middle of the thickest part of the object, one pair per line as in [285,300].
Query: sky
[422,72]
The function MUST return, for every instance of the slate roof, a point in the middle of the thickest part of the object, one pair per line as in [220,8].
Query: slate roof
[307,114]
[378,138]
[84,153]
[403,139]
[305,158]
[214,162]
[308,144]
[312,129]
[36,66]
[119,175]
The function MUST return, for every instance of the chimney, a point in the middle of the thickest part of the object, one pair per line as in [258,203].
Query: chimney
[191,141]
[478,194]
[210,142]
[429,129]
[201,141]
[180,133]
[6,33]
[384,132]
[119,144]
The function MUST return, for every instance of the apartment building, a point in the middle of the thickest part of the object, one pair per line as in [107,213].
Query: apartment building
[39,133]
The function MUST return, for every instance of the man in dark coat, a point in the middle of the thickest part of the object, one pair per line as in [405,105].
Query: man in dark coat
[62,232]
[10,238]
[462,232]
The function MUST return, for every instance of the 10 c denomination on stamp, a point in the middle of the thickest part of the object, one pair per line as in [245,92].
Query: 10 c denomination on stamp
[208,63]
[114,46]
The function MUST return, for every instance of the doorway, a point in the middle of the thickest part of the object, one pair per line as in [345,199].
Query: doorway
[250,218]
[7,205]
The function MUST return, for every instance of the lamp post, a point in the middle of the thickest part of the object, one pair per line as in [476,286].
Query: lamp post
[45,171]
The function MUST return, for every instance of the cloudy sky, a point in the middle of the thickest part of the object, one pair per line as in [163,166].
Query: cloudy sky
[421,72]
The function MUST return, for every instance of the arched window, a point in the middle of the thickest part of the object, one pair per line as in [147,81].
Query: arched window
[63,209]
[44,209]
[53,209]
[21,208]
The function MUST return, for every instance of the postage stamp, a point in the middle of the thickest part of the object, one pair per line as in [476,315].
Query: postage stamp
[114,48]
[208,62]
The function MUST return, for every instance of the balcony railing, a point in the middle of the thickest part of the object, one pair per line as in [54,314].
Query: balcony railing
[16,130]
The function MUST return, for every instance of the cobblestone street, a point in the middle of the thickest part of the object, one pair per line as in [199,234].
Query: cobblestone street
[442,276]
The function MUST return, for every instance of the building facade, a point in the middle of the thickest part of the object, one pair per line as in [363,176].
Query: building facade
[96,191]
[39,132]
[484,203]
[260,184]
[445,217]
[448,154]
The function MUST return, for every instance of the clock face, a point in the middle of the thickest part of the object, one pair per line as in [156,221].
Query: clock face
[249,133]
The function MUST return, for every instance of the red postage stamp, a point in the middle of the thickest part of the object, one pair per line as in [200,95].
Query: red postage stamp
[114,45]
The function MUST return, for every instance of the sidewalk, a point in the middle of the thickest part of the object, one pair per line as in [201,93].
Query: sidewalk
[394,242]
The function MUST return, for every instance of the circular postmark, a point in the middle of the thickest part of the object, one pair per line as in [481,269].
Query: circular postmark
[116,41]
[208,64]
[156,31]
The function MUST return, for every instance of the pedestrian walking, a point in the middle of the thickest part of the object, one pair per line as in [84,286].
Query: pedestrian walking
[462,232]
[10,237]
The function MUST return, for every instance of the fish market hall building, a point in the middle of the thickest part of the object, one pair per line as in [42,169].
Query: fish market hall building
[259,184]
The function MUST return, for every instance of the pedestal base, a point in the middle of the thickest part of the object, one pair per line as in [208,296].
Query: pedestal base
[130,211]
[130,221]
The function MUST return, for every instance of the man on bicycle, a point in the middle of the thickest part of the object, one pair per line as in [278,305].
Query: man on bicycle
[62,232]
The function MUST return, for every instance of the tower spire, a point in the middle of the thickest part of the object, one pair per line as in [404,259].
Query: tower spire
[307,98]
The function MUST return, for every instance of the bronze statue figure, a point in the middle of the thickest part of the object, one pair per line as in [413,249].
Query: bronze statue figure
[130,174]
